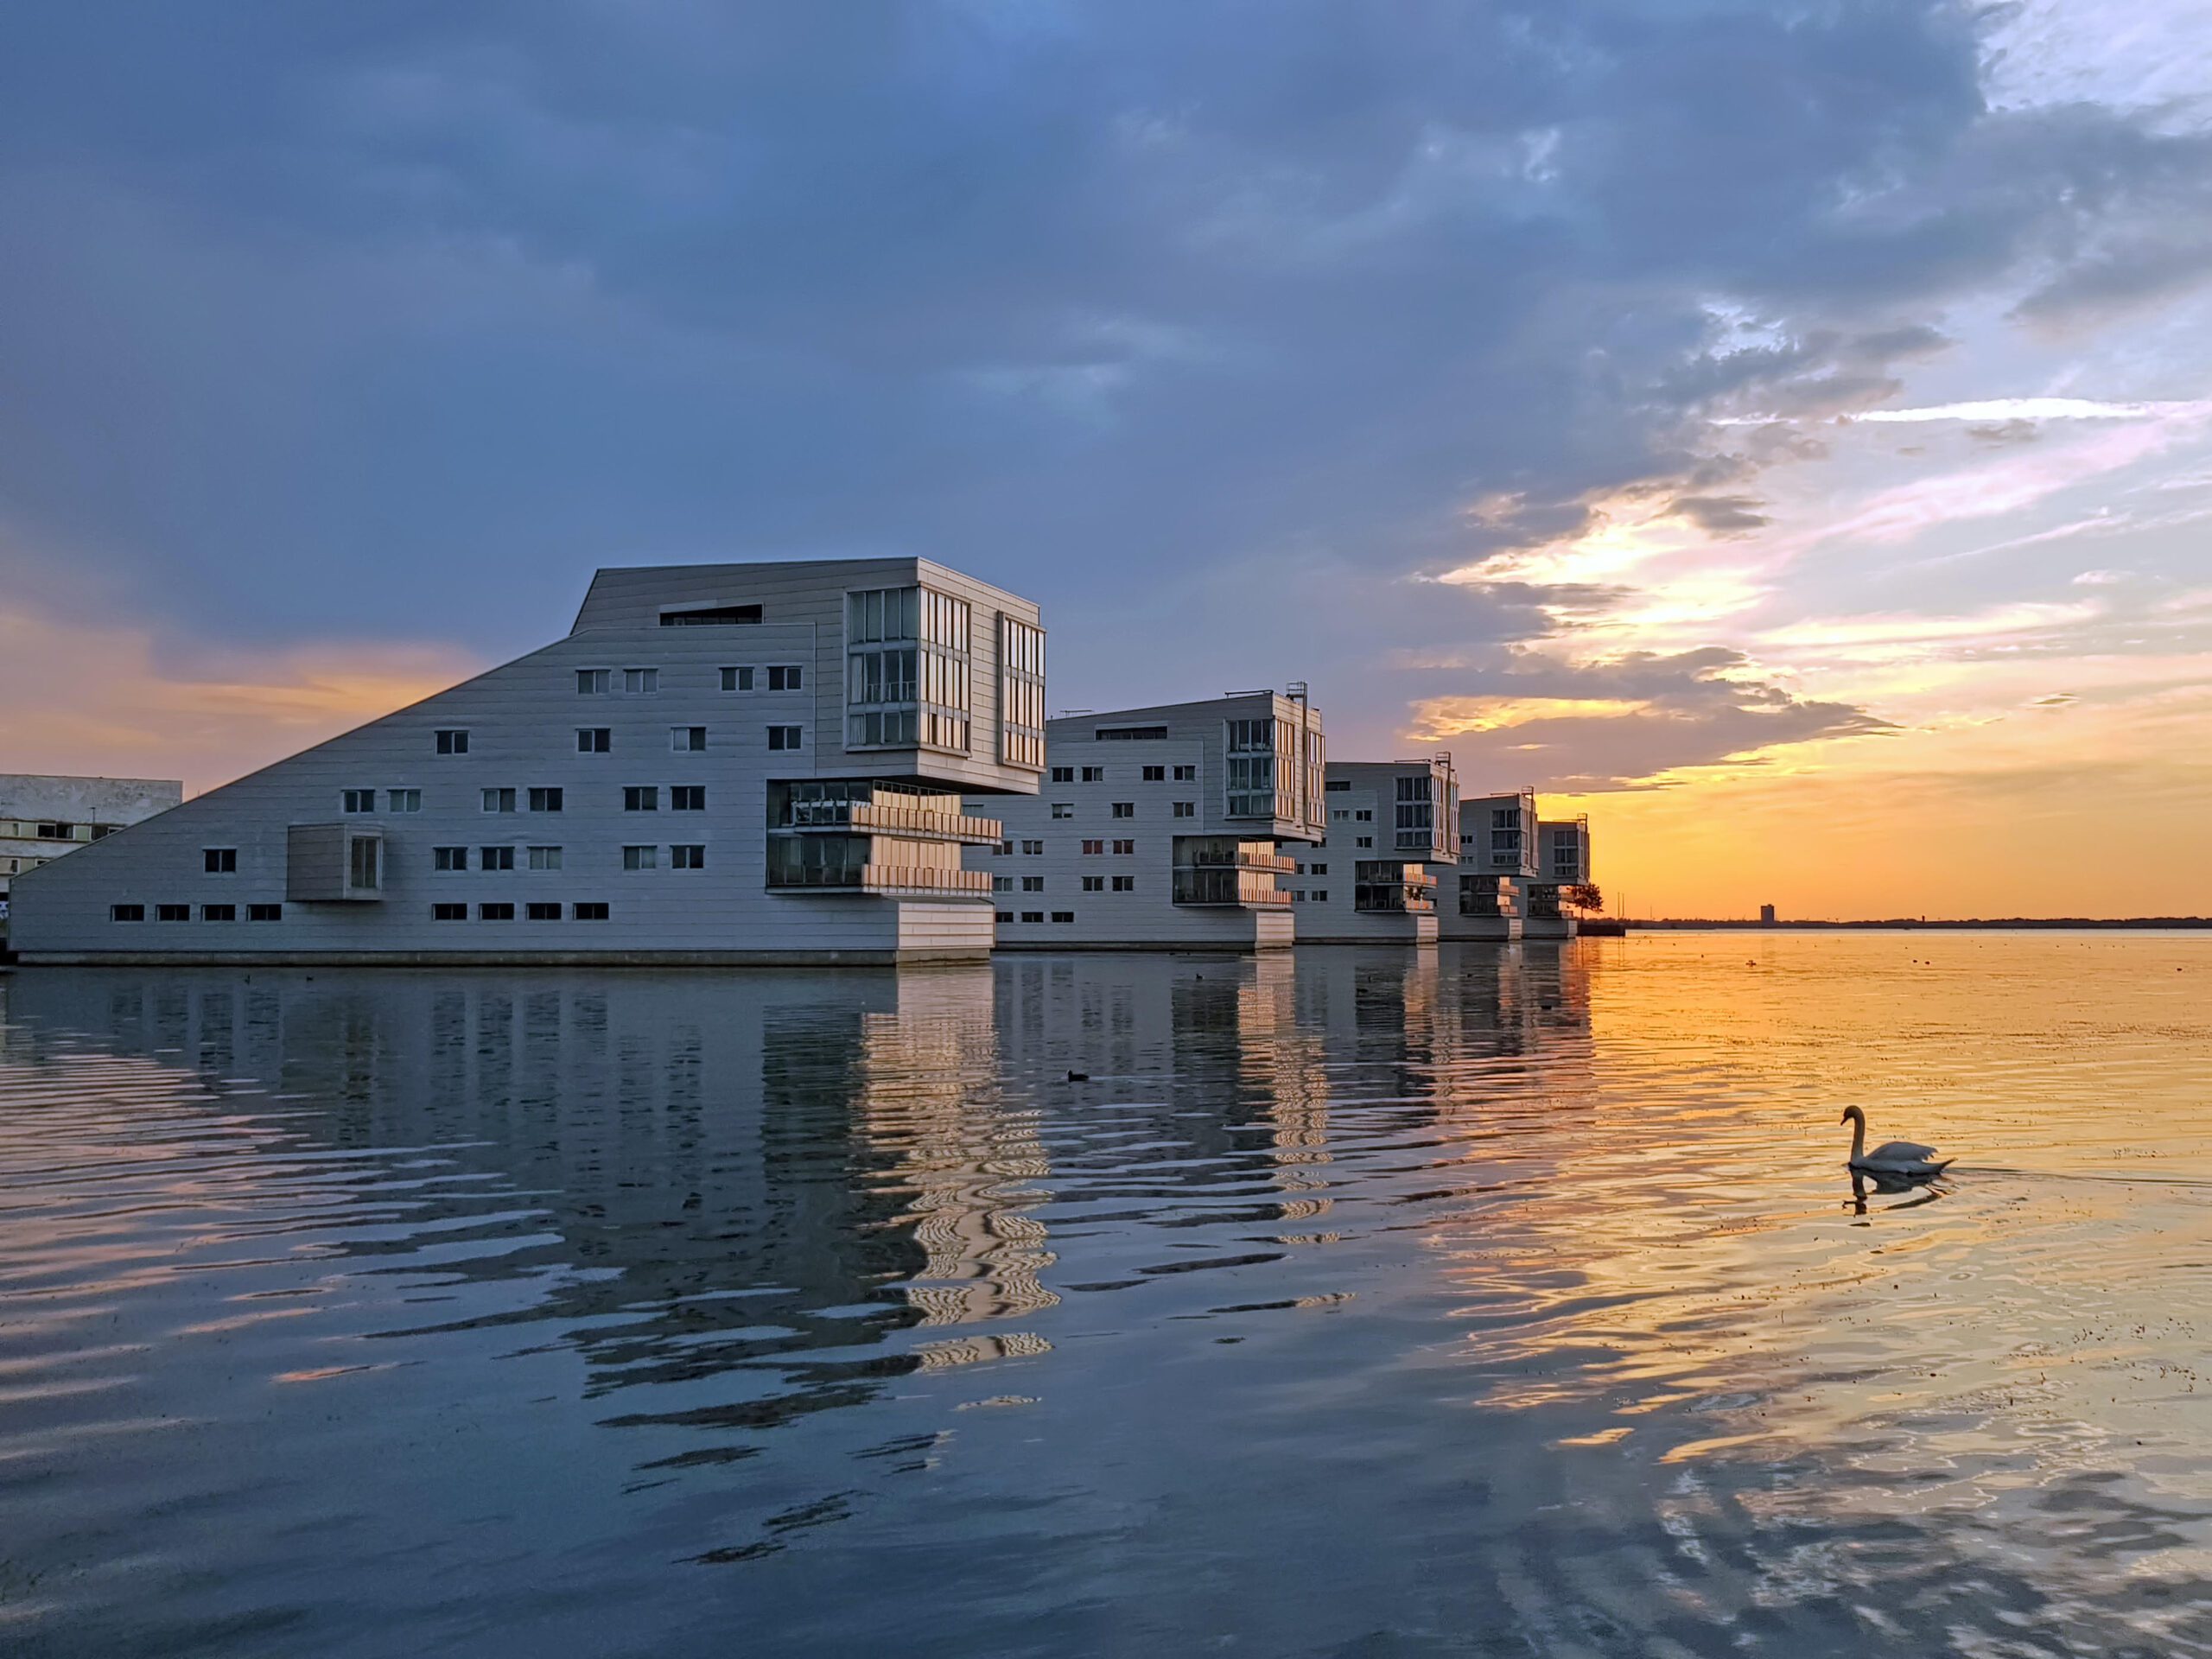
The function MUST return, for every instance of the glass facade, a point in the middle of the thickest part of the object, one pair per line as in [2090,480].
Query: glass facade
[1021,693]
[907,669]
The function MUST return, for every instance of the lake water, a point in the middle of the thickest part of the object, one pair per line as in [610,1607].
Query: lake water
[1480,1301]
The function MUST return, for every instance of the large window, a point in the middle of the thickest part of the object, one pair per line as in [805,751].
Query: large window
[1251,782]
[1415,814]
[907,669]
[1021,693]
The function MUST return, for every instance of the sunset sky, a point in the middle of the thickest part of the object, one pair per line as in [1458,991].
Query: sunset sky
[1781,431]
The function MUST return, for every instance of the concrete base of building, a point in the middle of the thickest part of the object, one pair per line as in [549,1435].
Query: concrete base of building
[1217,929]
[1372,928]
[886,958]
[1497,929]
[1547,927]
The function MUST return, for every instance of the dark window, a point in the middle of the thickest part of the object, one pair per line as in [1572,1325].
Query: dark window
[449,913]
[1094,847]
[644,858]
[1094,774]
[1335,784]
[495,912]
[1129,734]
[171,913]
[1187,774]
[1063,774]
[1094,884]
[594,740]
[1064,915]
[1033,884]
[590,910]
[499,800]
[1186,809]
[542,912]
[218,912]
[449,858]
[687,858]
[265,912]
[592,681]
[1125,848]
[126,912]
[737,679]
[1033,848]
[496,858]
[789,679]
[1320,870]
[687,797]
[688,740]
[1155,775]
[1004,915]
[220,861]
[1032,915]
[641,797]
[545,800]
[1125,884]
[710,616]
[452,742]
[784,737]
[1125,808]
[358,800]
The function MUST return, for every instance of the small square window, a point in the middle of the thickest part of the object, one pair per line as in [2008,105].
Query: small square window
[692,857]
[218,912]
[784,737]
[544,858]
[1094,774]
[1125,848]
[1003,915]
[449,858]
[640,858]
[594,681]
[1363,841]
[787,678]
[1090,847]
[641,682]
[404,800]
[1002,884]
[1186,809]
[1155,775]
[449,913]
[1033,848]
[452,742]
[496,858]
[171,913]
[499,800]
[547,800]
[1319,896]
[358,800]
[641,797]
[1063,774]
[688,740]
[220,861]
[1125,808]
[737,679]
[1064,809]
[265,912]
[589,910]
[1187,774]
[1033,884]
[1032,915]
[1319,869]
[1125,884]
[495,912]
[687,797]
[1094,884]
[545,911]
[1064,915]
[1004,849]
[594,740]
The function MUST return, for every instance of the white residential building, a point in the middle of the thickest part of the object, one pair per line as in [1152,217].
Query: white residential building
[42,816]
[728,763]
[1392,833]
[1562,861]
[1497,847]
[1162,827]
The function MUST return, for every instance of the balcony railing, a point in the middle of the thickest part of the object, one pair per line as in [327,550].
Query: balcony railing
[1238,860]
[885,878]
[893,818]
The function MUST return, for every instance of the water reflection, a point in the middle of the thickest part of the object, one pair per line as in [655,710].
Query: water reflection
[1477,1300]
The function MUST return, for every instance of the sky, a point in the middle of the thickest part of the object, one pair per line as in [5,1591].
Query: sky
[1780,431]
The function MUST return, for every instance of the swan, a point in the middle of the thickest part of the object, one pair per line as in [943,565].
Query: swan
[1891,1157]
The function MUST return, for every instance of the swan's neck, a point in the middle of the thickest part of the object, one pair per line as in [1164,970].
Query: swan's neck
[1857,1138]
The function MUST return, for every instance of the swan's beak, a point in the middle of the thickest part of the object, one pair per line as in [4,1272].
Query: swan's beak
[1846,1118]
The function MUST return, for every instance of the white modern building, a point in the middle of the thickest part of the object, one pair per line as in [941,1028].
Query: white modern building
[722,763]
[1498,849]
[1393,834]
[1562,861]
[1162,827]
[43,816]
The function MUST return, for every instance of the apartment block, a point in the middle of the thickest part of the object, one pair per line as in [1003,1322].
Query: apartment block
[1392,835]
[1497,849]
[1562,861]
[1162,827]
[43,816]
[725,763]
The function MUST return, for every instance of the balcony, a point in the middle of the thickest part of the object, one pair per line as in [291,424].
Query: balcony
[884,878]
[1240,860]
[893,818]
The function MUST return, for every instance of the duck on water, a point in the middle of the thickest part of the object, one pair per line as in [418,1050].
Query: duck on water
[1905,1158]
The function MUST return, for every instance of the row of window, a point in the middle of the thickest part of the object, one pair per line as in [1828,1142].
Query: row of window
[600,740]
[207,913]
[1035,848]
[636,798]
[684,855]
[1128,809]
[646,682]
[1149,774]
[54,829]
[1090,884]
[1341,815]
[1037,916]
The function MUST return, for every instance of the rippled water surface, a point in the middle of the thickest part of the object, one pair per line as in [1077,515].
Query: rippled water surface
[1482,1301]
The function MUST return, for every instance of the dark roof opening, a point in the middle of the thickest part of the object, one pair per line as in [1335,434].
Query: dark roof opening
[710,616]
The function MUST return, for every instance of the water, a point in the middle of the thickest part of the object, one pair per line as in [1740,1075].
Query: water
[1484,1302]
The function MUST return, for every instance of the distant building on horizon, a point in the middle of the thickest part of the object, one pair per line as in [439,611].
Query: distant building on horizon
[43,816]
[1766,915]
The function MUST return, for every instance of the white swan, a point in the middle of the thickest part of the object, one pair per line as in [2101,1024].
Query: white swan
[1891,1157]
